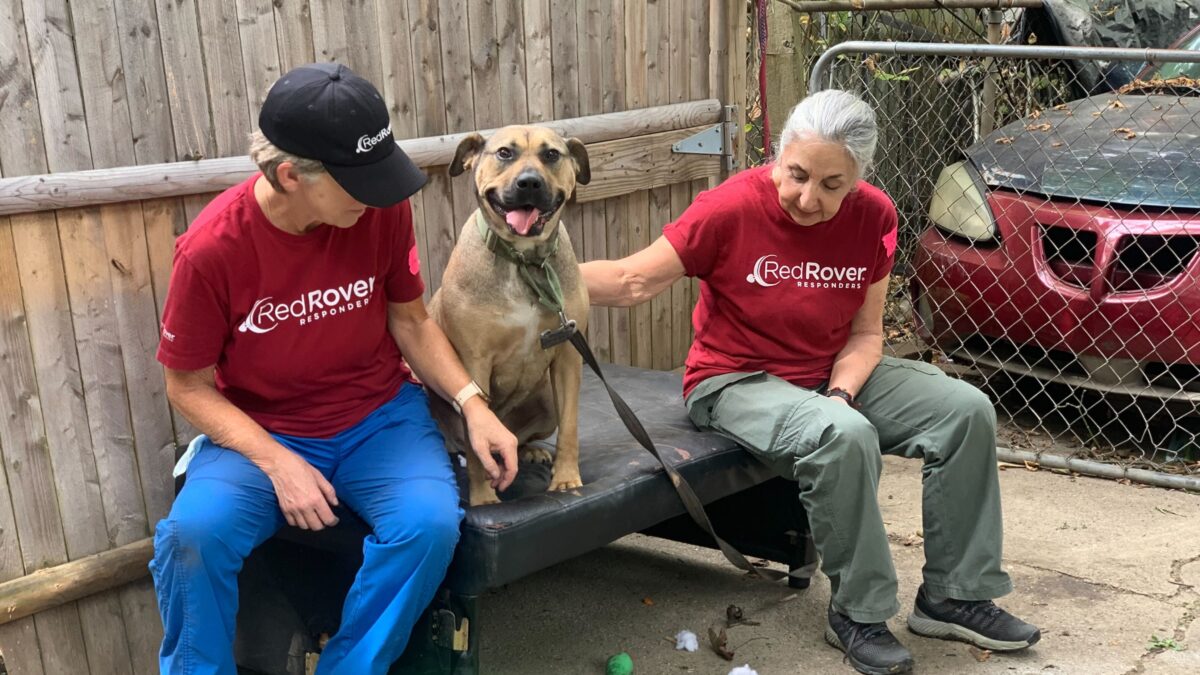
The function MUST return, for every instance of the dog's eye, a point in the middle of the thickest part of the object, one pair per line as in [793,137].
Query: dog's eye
[551,155]
[504,154]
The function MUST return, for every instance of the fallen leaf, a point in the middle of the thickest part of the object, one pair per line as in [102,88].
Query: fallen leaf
[1061,106]
[1126,133]
[719,643]
[1098,113]
[649,602]
[1044,126]
[1030,466]
[1004,140]
[980,655]
[1057,144]
[1036,114]
[1116,105]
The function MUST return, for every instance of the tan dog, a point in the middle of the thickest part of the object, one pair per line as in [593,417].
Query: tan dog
[524,176]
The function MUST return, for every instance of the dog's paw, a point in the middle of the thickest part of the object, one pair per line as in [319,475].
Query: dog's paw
[565,483]
[535,455]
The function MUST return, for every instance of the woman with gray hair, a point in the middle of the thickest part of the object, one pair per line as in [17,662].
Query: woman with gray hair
[793,260]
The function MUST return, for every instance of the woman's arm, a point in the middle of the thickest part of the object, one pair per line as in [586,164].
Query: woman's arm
[864,349]
[634,279]
[433,359]
[303,493]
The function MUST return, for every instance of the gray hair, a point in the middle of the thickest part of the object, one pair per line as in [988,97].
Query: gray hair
[268,157]
[835,116]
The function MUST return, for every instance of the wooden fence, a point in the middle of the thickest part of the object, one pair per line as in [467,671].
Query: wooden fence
[97,94]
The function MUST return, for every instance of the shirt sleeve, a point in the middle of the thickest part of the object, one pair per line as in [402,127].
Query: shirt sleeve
[696,236]
[404,282]
[195,321]
[886,256]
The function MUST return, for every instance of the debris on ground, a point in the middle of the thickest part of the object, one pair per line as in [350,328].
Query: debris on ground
[980,655]
[719,641]
[743,670]
[621,664]
[686,641]
[735,616]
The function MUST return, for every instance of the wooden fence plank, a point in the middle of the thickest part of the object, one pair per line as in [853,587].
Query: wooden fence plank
[436,199]
[165,220]
[564,56]
[52,334]
[636,96]
[460,102]
[679,89]
[485,62]
[293,31]
[593,22]
[102,76]
[47,23]
[260,57]
[616,210]
[700,86]
[344,31]
[658,81]
[539,68]
[514,108]
[186,84]
[21,149]
[93,309]
[225,74]
[145,81]
[137,322]
[28,468]
[625,166]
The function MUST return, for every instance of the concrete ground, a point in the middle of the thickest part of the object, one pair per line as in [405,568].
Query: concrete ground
[1102,567]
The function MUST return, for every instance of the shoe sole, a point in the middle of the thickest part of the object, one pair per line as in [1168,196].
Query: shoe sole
[923,625]
[902,667]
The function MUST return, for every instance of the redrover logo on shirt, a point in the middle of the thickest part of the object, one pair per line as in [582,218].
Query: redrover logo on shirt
[265,316]
[770,272]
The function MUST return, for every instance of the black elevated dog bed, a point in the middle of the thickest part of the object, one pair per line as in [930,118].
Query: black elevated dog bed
[292,586]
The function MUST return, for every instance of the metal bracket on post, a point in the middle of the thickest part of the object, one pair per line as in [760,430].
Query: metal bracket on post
[716,140]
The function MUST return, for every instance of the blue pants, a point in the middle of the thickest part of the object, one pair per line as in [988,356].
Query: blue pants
[391,469]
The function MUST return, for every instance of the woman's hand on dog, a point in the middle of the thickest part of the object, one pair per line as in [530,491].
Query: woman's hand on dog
[490,437]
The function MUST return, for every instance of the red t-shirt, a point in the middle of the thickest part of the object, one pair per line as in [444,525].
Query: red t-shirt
[295,324]
[776,296]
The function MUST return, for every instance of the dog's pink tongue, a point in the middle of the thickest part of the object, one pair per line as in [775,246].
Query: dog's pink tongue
[521,220]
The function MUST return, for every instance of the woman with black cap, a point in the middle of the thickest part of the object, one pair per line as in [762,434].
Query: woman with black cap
[293,297]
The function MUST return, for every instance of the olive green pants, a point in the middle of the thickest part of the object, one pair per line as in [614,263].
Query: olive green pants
[834,452]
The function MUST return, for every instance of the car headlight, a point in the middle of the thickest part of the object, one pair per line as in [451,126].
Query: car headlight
[958,205]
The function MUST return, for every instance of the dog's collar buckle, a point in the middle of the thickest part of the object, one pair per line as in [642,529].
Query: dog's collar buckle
[557,336]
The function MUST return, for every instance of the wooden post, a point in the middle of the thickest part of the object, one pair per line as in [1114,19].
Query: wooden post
[54,586]
[987,117]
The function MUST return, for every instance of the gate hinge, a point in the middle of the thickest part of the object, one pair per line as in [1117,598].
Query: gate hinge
[716,140]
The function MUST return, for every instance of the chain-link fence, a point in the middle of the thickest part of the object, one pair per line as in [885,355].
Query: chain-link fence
[1054,261]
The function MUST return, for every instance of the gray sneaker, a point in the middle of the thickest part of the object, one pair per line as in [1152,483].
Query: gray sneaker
[979,622]
[869,647]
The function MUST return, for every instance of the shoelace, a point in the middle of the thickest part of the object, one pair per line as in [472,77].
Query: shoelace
[988,609]
[863,632]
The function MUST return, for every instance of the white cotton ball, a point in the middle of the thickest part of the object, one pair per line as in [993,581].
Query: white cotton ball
[686,640]
[743,670]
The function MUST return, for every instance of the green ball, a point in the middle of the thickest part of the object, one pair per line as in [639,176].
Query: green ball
[620,664]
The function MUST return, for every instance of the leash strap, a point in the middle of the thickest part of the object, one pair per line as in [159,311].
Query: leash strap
[691,502]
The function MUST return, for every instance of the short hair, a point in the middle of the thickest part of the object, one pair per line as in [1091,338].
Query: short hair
[835,116]
[268,157]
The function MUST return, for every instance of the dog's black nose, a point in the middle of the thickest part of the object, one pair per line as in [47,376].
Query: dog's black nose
[530,180]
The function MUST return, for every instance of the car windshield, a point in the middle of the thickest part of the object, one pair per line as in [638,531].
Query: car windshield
[1166,71]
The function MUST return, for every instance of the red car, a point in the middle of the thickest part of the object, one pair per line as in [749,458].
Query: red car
[1066,246]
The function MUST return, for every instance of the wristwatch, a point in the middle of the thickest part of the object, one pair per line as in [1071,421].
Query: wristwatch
[465,394]
[842,394]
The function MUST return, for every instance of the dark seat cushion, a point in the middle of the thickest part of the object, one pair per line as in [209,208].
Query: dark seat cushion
[624,491]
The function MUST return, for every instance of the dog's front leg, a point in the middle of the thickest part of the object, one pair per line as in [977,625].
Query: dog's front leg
[481,489]
[566,370]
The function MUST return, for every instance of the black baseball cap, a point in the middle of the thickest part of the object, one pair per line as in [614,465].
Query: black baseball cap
[325,112]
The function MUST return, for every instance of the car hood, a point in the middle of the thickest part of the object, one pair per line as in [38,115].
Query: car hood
[1127,150]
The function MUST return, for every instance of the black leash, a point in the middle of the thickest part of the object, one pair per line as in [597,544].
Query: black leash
[691,502]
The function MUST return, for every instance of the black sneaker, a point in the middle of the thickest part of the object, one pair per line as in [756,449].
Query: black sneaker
[870,647]
[979,622]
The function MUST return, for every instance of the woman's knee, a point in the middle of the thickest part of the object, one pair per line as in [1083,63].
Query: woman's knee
[192,537]
[967,403]
[837,437]
[428,515]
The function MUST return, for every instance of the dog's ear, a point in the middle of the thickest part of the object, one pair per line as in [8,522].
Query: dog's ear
[464,156]
[583,170]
